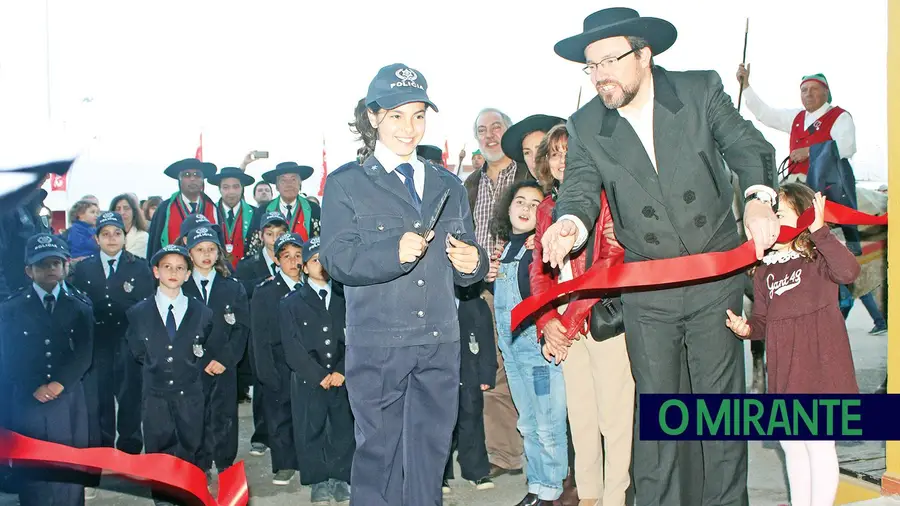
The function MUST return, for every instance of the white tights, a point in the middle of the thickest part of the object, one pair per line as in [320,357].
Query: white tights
[812,468]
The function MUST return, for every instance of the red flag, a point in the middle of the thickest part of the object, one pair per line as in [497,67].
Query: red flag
[324,169]
[58,183]
[445,156]
[199,154]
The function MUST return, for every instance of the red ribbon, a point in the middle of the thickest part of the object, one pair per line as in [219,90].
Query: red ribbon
[671,271]
[161,472]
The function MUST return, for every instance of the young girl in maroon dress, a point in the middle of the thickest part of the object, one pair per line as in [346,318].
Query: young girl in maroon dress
[795,309]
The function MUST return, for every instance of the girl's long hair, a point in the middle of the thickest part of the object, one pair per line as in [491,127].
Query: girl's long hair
[220,266]
[556,138]
[362,127]
[800,198]
[500,225]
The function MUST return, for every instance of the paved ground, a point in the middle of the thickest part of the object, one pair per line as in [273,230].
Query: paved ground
[766,483]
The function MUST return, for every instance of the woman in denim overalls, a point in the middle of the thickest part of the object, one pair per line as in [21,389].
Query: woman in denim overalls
[537,386]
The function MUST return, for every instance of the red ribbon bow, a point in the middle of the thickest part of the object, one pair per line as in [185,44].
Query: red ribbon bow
[684,269]
[160,471]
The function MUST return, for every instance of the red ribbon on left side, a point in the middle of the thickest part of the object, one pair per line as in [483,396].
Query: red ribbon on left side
[159,471]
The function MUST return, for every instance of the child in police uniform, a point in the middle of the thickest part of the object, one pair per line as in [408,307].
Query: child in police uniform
[167,334]
[212,284]
[114,280]
[271,365]
[312,331]
[46,350]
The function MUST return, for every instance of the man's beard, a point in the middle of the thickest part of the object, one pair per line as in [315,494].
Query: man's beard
[628,94]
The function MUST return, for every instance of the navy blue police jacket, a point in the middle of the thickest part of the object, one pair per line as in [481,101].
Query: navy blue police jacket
[366,212]
[252,271]
[313,335]
[231,318]
[37,349]
[169,366]
[131,283]
[265,331]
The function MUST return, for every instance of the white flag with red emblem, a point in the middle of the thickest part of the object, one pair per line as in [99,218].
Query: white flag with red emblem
[58,182]
[199,154]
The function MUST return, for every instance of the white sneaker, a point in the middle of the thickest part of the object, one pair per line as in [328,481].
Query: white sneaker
[90,493]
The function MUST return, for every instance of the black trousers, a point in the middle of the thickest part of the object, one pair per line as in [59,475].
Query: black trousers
[244,371]
[173,424]
[220,421]
[405,403]
[114,376]
[323,432]
[678,343]
[468,437]
[260,430]
[277,414]
[63,421]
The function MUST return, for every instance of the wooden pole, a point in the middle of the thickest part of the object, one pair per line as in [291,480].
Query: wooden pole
[744,62]
[579,99]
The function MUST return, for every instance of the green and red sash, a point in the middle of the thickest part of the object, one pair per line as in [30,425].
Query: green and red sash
[176,212]
[235,234]
[302,215]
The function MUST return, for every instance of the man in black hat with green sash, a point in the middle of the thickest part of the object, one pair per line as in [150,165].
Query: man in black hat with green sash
[238,214]
[658,143]
[302,215]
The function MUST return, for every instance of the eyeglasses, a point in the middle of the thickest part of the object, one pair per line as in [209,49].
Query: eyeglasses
[606,62]
[188,174]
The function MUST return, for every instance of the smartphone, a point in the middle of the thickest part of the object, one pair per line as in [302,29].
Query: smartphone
[260,154]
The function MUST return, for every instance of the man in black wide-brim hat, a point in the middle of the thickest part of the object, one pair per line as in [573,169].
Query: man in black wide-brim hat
[302,215]
[658,142]
[520,142]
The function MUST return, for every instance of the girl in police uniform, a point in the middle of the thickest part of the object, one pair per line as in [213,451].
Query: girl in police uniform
[212,284]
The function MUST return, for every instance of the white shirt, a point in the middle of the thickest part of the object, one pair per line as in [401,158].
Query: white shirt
[163,302]
[104,260]
[200,277]
[43,293]
[318,288]
[136,242]
[269,262]
[843,131]
[282,206]
[187,203]
[290,282]
[391,161]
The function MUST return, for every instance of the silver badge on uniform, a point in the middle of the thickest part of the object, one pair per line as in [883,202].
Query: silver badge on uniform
[229,248]
[128,287]
[229,315]
[198,350]
[473,345]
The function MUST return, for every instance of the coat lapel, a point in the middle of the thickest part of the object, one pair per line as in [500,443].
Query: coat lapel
[623,145]
[667,127]
[187,323]
[389,182]
[434,189]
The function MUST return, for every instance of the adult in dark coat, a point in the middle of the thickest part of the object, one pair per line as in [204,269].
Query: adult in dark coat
[114,283]
[657,141]
[237,214]
[303,216]
[16,226]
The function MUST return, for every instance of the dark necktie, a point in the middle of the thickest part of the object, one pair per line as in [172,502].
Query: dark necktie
[112,267]
[407,171]
[297,286]
[274,268]
[170,323]
[203,283]
[323,293]
[290,214]
[49,301]
[230,218]
[193,208]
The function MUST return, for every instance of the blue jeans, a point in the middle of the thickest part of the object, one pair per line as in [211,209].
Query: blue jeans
[538,391]
[868,301]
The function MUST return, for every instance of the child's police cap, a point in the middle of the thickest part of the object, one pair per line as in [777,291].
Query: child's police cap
[398,84]
[310,248]
[201,235]
[41,246]
[285,239]
[272,217]
[191,222]
[171,249]
[110,218]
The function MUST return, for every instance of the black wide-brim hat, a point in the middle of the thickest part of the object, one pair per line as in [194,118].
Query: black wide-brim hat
[511,143]
[430,152]
[180,166]
[304,171]
[617,22]
[226,172]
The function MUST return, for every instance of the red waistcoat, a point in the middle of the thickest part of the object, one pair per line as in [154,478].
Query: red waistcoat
[818,132]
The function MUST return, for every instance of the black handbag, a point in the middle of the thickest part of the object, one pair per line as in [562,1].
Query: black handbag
[607,320]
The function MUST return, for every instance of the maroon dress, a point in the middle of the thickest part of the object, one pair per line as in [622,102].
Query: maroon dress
[795,309]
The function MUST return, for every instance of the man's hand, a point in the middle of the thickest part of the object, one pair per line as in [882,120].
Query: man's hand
[337,379]
[492,272]
[800,154]
[248,159]
[43,394]
[413,246]
[743,76]
[558,242]
[485,388]
[761,225]
[819,221]
[555,333]
[462,153]
[214,368]
[464,257]
[737,324]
